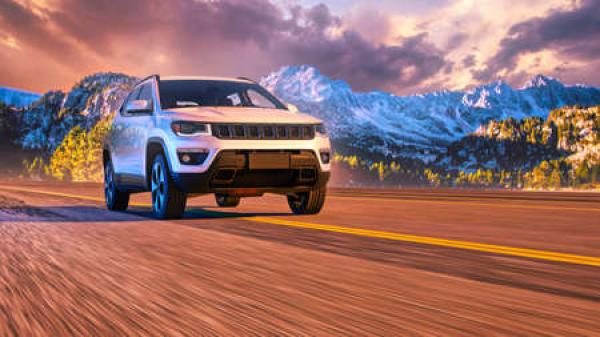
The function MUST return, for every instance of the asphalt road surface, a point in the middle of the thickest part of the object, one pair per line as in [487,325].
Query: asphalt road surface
[374,262]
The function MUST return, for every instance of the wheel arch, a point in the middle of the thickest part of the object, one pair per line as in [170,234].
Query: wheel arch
[154,146]
[106,155]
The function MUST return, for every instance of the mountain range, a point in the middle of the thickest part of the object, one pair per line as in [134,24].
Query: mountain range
[418,126]
[373,124]
[17,98]
[46,122]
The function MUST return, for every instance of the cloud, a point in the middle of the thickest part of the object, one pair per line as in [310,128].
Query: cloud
[572,34]
[365,65]
[227,37]
[368,46]
[352,57]
[30,29]
[456,40]
[371,23]
[468,61]
[448,67]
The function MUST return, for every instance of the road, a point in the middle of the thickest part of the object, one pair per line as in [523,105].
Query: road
[374,262]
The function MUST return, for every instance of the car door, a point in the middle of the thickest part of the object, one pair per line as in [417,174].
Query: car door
[131,133]
[118,138]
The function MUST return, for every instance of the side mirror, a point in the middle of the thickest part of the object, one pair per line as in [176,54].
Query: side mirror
[138,106]
[292,108]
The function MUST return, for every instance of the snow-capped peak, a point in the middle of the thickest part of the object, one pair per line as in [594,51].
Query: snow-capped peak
[306,80]
[539,81]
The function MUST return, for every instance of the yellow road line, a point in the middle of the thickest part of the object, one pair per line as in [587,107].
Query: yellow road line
[454,202]
[504,250]
[481,247]
[452,197]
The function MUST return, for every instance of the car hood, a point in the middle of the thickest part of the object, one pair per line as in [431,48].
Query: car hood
[240,115]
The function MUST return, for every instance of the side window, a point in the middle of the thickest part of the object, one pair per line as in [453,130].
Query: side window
[146,93]
[259,100]
[132,96]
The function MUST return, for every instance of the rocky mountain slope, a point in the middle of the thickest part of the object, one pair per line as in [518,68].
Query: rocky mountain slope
[561,151]
[570,134]
[47,121]
[418,126]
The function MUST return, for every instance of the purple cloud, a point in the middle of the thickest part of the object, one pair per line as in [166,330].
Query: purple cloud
[571,33]
[229,37]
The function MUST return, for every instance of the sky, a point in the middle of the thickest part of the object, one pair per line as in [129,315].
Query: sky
[404,47]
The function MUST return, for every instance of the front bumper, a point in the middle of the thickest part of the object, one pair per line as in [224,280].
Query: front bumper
[253,172]
[215,145]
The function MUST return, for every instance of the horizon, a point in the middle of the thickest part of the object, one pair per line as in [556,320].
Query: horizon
[397,47]
[516,86]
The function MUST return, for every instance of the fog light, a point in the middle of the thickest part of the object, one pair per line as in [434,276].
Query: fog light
[325,157]
[192,156]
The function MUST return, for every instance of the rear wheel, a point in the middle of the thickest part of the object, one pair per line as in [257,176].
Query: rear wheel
[224,200]
[116,200]
[308,202]
[168,202]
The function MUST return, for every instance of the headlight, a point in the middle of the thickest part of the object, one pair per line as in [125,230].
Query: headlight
[189,129]
[320,130]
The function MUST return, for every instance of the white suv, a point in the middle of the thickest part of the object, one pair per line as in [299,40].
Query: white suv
[184,136]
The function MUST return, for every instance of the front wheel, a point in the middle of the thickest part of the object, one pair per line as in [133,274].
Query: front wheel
[115,199]
[224,200]
[307,202]
[167,201]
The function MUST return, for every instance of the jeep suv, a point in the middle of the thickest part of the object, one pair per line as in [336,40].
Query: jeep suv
[184,136]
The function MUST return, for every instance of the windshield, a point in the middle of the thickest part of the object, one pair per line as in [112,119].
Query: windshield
[190,93]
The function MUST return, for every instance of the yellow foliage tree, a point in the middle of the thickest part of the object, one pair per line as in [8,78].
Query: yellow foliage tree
[79,156]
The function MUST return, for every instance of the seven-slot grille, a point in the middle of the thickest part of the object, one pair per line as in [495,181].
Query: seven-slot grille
[263,131]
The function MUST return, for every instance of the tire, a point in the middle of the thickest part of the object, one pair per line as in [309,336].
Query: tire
[224,200]
[115,199]
[307,202]
[168,202]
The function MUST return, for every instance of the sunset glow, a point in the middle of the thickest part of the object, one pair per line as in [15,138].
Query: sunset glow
[395,46]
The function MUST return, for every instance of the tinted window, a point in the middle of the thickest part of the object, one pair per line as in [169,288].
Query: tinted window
[186,93]
[146,93]
[259,100]
[132,96]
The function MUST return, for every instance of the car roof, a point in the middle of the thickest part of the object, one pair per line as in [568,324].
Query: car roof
[205,78]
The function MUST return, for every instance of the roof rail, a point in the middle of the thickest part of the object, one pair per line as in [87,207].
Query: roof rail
[246,79]
[149,77]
